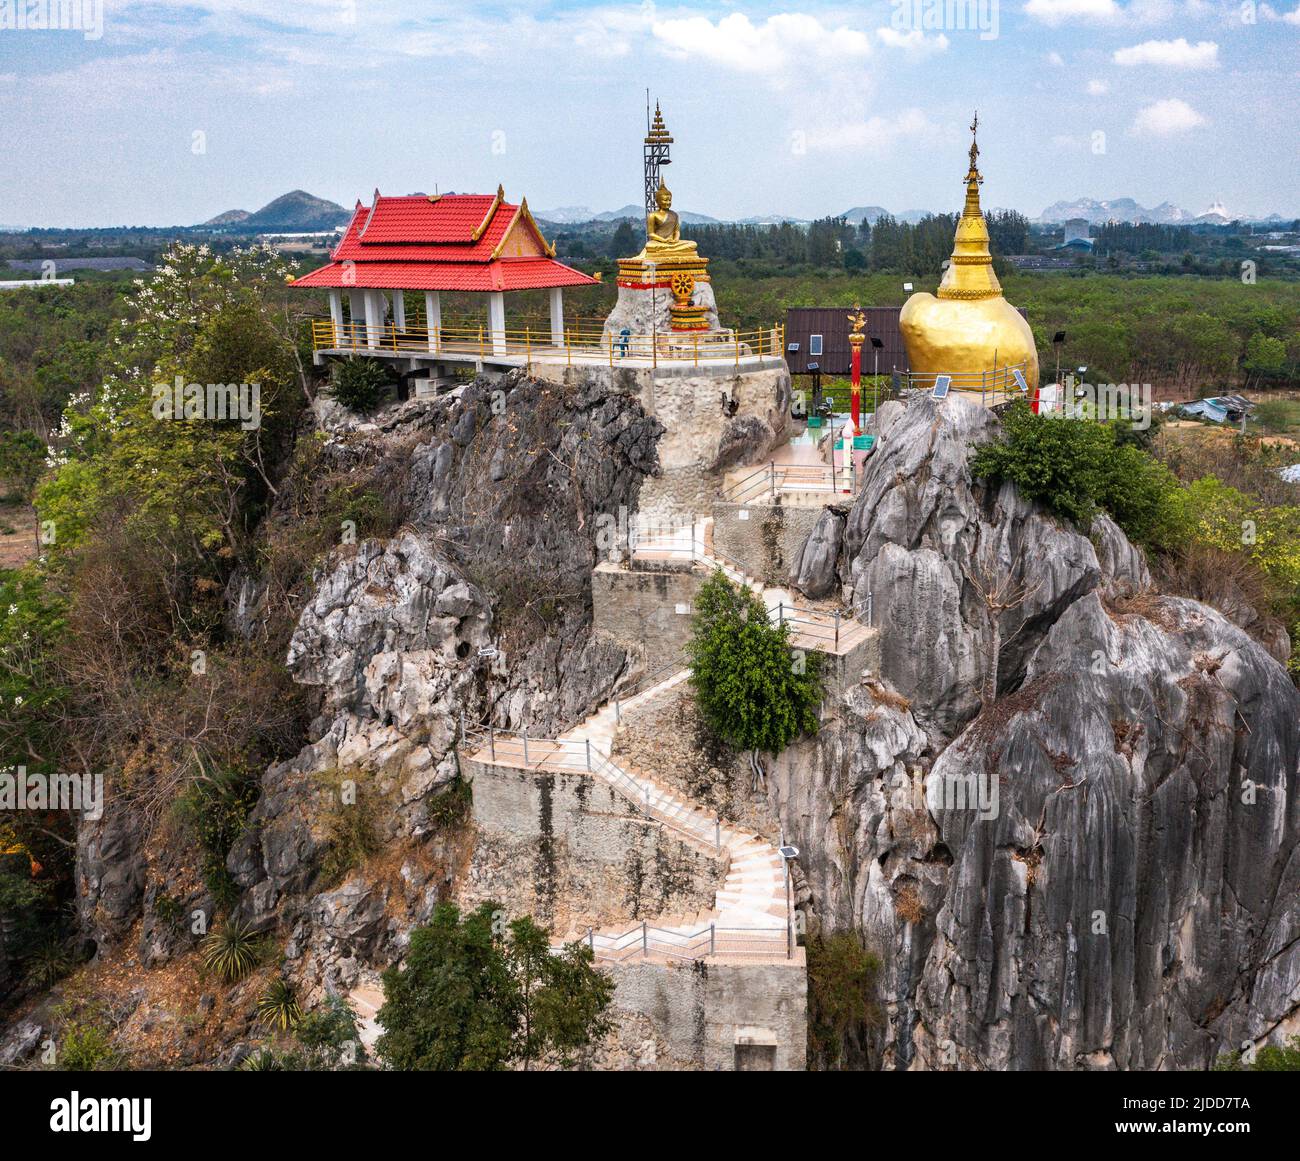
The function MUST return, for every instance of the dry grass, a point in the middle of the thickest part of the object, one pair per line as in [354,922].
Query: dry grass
[907,904]
[885,696]
[1144,603]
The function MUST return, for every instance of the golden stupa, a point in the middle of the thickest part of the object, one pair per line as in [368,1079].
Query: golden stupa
[969,331]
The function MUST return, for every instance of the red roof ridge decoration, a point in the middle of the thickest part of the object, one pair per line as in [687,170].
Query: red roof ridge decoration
[474,242]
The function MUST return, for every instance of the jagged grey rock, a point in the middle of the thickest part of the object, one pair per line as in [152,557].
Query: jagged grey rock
[1121,889]
[815,571]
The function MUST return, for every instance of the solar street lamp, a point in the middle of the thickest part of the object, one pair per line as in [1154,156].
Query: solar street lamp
[1058,340]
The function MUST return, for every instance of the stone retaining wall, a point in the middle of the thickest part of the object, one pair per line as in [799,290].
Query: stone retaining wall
[765,538]
[646,611]
[723,1016]
[569,850]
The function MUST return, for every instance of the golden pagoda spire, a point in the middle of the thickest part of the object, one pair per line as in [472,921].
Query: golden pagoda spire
[970,269]
[658,130]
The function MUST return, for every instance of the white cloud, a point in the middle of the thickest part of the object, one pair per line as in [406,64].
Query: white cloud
[877,133]
[1056,60]
[1167,117]
[781,41]
[914,43]
[1057,11]
[1177,54]
[1098,88]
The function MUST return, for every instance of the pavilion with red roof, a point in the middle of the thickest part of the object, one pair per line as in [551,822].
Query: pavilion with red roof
[478,243]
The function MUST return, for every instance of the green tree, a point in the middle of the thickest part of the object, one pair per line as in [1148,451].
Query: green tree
[753,691]
[1078,467]
[359,384]
[1271,1058]
[1061,462]
[562,997]
[472,997]
[624,242]
[22,460]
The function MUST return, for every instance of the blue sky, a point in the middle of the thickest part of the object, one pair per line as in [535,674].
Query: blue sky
[181,110]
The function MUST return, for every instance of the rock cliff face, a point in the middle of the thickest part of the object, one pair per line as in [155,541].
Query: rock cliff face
[1100,869]
[478,609]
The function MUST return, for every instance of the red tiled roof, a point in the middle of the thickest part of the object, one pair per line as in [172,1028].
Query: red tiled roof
[420,220]
[443,243]
[503,274]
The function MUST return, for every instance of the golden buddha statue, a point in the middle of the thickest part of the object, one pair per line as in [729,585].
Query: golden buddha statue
[969,331]
[663,230]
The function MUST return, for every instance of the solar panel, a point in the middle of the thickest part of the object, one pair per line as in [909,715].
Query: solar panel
[792,346]
[1020,379]
[941,385]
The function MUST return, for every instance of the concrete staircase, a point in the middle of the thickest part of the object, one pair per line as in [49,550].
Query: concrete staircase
[749,915]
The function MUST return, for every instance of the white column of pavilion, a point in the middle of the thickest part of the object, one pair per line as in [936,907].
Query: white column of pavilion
[433,316]
[557,316]
[497,321]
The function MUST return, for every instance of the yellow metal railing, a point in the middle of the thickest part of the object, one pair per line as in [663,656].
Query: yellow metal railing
[994,387]
[584,342]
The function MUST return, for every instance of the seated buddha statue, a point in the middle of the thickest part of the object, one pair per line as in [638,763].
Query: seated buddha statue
[663,230]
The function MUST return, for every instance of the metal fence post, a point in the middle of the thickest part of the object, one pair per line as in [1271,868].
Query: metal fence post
[591,939]
[645,938]
[492,742]
[589,755]
[525,736]
[837,630]
[713,939]
[717,832]
[618,713]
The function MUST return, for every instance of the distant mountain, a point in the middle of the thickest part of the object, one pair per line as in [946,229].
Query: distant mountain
[1115,210]
[857,213]
[229,218]
[296,212]
[637,214]
[566,215]
[771,220]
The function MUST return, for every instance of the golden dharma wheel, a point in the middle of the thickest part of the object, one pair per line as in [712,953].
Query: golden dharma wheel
[683,285]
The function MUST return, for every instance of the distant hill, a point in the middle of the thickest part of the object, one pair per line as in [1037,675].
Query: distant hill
[1115,210]
[857,213]
[580,215]
[295,212]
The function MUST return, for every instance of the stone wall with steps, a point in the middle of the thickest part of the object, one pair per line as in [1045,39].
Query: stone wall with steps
[567,849]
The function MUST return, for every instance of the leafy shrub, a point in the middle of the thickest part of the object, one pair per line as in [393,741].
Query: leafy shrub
[843,1004]
[263,1060]
[231,951]
[450,808]
[359,384]
[349,824]
[277,1007]
[1076,468]
[215,807]
[1271,1058]
[49,961]
[752,690]
[87,1047]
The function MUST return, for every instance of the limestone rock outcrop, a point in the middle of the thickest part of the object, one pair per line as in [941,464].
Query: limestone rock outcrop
[1099,869]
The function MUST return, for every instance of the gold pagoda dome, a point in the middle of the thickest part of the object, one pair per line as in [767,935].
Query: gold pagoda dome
[969,331]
